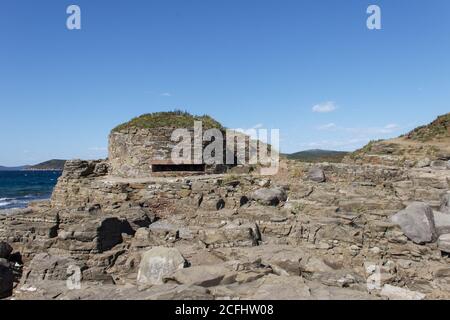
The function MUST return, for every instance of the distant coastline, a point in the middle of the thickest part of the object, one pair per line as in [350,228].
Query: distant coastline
[50,165]
[44,169]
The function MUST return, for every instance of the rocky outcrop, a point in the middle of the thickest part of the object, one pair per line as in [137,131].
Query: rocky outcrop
[313,231]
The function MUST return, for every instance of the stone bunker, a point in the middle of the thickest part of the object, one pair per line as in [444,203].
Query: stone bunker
[143,146]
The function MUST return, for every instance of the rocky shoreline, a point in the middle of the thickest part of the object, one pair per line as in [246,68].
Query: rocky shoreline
[116,229]
[322,231]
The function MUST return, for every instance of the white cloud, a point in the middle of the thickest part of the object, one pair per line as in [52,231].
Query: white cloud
[391,127]
[327,126]
[387,129]
[258,126]
[325,107]
[166,94]
[98,149]
[344,144]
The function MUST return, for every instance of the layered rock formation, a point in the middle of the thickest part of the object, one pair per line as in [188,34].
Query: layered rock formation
[313,231]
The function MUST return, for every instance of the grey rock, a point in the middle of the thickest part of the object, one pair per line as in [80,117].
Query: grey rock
[231,234]
[6,281]
[439,165]
[422,163]
[5,250]
[138,217]
[445,203]
[269,197]
[442,222]
[46,267]
[444,243]
[316,174]
[158,263]
[417,223]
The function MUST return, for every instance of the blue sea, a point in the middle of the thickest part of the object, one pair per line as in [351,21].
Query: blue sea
[18,188]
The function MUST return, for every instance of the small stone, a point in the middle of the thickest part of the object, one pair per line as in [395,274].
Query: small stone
[264,183]
[375,250]
[270,197]
[316,174]
[439,165]
[422,163]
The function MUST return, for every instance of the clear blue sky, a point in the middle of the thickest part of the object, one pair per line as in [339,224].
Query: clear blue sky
[246,62]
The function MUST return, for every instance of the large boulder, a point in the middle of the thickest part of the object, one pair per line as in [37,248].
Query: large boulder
[417,223]
[158,263]
[5,250]
[269,197]
[316,174]
[6,279]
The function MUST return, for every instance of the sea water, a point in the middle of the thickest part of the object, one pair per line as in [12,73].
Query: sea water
[18,188]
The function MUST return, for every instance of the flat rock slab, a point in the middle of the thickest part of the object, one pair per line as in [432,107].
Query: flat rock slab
[204,276]
[397,293]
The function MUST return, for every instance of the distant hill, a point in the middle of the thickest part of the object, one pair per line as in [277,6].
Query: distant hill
[436,130]
[54,164]
[317,155]
[2,168]
[431,141]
